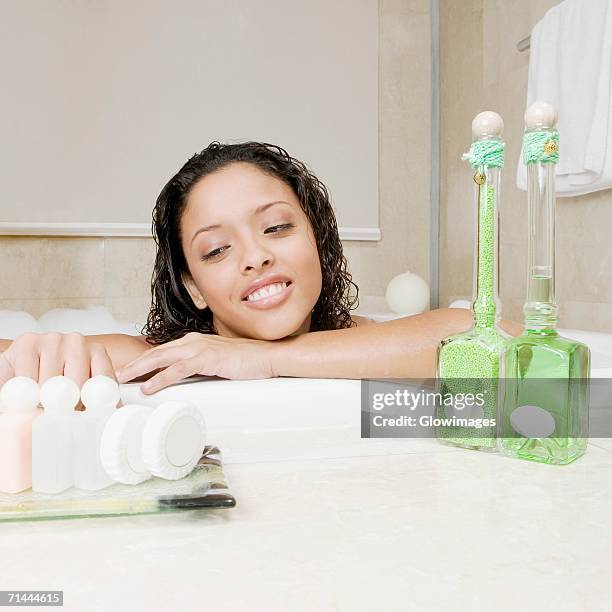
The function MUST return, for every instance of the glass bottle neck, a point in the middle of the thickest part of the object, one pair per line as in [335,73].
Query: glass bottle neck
[486,304]
[540,309]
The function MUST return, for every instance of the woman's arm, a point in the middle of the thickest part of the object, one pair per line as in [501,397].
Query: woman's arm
[402,348]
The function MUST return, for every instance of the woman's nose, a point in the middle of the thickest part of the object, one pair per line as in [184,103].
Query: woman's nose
[255,257]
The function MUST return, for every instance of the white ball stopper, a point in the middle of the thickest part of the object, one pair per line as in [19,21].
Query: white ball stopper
[540,115]
[487,124]
[407,293]
[100,393]
[20,394]
[59,395]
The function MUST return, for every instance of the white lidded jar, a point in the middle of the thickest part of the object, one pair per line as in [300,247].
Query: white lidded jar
[100,396]
[173,440]
[52,438]
[20,396]
[121,445]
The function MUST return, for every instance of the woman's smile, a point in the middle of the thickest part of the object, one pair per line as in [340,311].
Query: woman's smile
[269,296]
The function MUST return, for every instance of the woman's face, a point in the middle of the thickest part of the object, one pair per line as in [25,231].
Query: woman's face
[251,254]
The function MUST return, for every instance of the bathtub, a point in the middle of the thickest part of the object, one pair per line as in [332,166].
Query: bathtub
[321,510]
[285,403]
[278,405]
[291,411]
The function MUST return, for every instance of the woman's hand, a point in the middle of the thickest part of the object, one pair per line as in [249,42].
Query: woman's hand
[41,356]
[206,354]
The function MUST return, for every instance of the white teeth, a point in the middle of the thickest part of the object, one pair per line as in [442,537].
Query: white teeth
[267,291]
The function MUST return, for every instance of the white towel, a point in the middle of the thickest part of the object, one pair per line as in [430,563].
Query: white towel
[570,66]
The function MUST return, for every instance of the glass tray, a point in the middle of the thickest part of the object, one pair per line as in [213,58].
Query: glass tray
[205,487]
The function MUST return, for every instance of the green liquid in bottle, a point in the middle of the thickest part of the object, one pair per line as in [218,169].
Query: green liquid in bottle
[549,372]
[545,408]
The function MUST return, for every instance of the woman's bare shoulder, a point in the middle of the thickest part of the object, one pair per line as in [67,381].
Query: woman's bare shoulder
[358,320]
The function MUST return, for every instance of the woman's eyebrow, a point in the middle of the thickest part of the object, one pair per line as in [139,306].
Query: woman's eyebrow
[258,210]
[263,207]
[208,228]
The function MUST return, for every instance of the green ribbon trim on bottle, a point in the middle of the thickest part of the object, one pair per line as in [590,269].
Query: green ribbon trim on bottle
[488,153]
[541,147]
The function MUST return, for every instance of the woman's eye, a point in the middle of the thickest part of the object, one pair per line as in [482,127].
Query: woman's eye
[278,228]
[215,253]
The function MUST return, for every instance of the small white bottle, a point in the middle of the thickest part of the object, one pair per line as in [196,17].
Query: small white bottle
[52,438]
[20,395]
[100,396]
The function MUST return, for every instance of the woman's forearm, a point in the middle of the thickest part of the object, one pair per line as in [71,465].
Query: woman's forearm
[402,348]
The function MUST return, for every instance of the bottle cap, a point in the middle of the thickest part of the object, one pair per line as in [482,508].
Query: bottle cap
[100,394]
[541,115]
[59,395]
[20,394]
[487,124]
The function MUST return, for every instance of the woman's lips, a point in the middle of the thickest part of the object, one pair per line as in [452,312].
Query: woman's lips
[270,301]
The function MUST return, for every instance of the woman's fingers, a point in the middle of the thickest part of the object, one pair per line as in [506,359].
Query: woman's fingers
[101,364]
[172,374]
[22,354]
[152,360]
[75,357]
[50,356]
[42,356]
[6,370]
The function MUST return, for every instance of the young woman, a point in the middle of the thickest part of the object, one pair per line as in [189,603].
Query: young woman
[249,282]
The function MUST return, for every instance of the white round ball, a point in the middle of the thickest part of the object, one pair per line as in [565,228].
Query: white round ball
[407,293]
[541,115]
[100,391]
[59,395]
[487,123]
[20,394]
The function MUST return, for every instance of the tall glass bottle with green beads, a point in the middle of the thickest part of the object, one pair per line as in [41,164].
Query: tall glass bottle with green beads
[469,362]
[544,414]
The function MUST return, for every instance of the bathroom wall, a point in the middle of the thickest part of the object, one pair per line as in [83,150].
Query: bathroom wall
[482,69]
[42,273]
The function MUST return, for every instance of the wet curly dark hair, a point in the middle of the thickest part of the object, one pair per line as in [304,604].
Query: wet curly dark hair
[172,313]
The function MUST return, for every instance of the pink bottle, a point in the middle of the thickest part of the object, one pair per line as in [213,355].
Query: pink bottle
[20,396]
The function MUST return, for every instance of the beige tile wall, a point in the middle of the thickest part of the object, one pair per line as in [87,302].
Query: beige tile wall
[482,69]
[38,274]
[42,273]
[404,153]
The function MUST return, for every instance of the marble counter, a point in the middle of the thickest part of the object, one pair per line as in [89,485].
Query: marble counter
[327,521]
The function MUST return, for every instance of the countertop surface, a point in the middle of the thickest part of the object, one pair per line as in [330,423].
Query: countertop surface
[328,521]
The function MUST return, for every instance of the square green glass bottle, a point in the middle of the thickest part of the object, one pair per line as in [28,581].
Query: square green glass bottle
[544,414]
